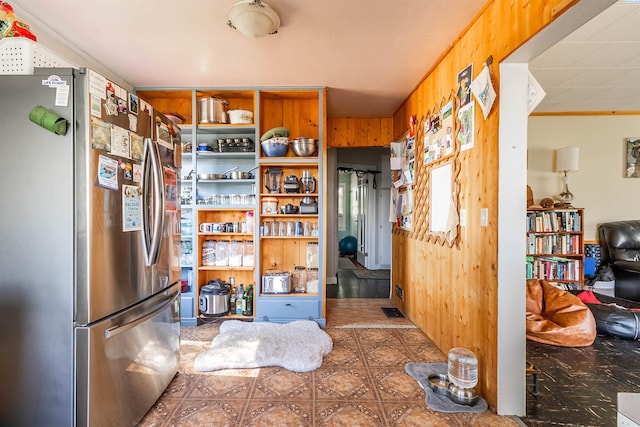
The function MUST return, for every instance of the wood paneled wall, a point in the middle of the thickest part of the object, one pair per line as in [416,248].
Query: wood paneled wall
[451,292]
[352,132]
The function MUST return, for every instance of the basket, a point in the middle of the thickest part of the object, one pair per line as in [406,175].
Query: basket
[20,55]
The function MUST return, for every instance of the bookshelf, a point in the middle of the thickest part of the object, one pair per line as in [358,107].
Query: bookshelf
[555,246]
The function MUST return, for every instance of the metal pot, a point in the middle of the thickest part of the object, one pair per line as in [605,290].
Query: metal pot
[212,110]
[222,175]
[242,175]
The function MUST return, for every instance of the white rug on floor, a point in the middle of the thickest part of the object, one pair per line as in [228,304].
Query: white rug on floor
[297,346]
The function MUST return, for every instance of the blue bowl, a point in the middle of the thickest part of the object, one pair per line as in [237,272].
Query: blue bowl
[275,147]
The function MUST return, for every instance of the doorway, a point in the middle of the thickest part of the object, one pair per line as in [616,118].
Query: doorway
[363,244]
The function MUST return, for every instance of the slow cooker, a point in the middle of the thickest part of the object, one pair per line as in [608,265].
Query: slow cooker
[214,299]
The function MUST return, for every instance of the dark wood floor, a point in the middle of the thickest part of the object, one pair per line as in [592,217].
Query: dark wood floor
[579,386]
[349,286]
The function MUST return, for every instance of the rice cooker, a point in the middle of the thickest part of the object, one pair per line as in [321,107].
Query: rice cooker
[214,298]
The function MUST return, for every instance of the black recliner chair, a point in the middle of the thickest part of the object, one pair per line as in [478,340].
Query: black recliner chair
[620,248]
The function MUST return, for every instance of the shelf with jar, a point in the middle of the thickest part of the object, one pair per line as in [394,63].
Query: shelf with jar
[225,246]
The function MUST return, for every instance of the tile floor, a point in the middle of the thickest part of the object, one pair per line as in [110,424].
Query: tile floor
[361,382]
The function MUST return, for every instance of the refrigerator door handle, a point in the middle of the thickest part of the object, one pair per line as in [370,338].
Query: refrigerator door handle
[153,202]
[115,330]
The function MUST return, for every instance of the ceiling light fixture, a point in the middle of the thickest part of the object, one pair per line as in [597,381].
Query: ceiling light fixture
[253,18]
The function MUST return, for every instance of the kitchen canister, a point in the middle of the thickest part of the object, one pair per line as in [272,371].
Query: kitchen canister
[235,253]
[209,252]
[312,255]
[247,254]
[222,253]
[312,280]
[299,279]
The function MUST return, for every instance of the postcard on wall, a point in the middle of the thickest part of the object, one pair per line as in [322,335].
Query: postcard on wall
[97,85]
[133,103]
[396,160]
[137,173]
[120,142]
[409,157]
[107,172]
[164,137]
[632,158]
[466,117]
[100,135]
[483,91]
[464,85]
[170,189]
[131,208]
[137,145]
[535,93]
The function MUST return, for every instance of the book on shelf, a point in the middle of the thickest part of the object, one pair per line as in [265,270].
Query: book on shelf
[554,221]
[553,268]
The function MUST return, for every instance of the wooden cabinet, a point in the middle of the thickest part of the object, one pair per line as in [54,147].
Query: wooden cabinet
[290,240]
[302,112]
[555,246]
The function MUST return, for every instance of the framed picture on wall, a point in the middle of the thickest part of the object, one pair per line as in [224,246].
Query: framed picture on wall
[632,157]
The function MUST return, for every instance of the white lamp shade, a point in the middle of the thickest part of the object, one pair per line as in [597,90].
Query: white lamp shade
[567,159]
[254,18]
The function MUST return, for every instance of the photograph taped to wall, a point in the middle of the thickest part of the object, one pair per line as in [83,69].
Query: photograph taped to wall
[632,157]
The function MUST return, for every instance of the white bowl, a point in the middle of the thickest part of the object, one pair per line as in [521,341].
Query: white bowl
[240,116]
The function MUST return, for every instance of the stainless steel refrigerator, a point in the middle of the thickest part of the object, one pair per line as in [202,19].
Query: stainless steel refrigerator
[89,252]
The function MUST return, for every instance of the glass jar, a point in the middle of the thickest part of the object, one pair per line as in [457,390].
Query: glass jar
[247,254]
[312,280]
[235,253]
[312,255]
[209,252]
[222,253]
[299,279]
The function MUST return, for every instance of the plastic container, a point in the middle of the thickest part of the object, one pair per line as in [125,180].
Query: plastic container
[222,253]
[463,367]
[19,55]
[235,253]
[250,222]
[209,252]
[248,259]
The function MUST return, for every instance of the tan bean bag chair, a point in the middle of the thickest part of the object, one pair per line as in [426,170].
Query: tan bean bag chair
[557,317]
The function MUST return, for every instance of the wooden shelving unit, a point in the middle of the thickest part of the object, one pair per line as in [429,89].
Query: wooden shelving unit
[555,246]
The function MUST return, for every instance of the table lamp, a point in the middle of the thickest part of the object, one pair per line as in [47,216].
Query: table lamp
[566,161]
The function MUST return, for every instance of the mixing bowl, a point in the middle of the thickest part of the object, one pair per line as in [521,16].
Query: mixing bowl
[275,147]
[304,147]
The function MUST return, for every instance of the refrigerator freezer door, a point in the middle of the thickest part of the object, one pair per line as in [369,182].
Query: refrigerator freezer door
[124,363]
[113,272]
[36,256]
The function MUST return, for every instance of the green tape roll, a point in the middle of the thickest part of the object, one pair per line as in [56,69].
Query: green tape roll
[48,120]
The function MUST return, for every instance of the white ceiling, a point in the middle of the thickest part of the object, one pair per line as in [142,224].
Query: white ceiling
[597,67]
[369,53]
